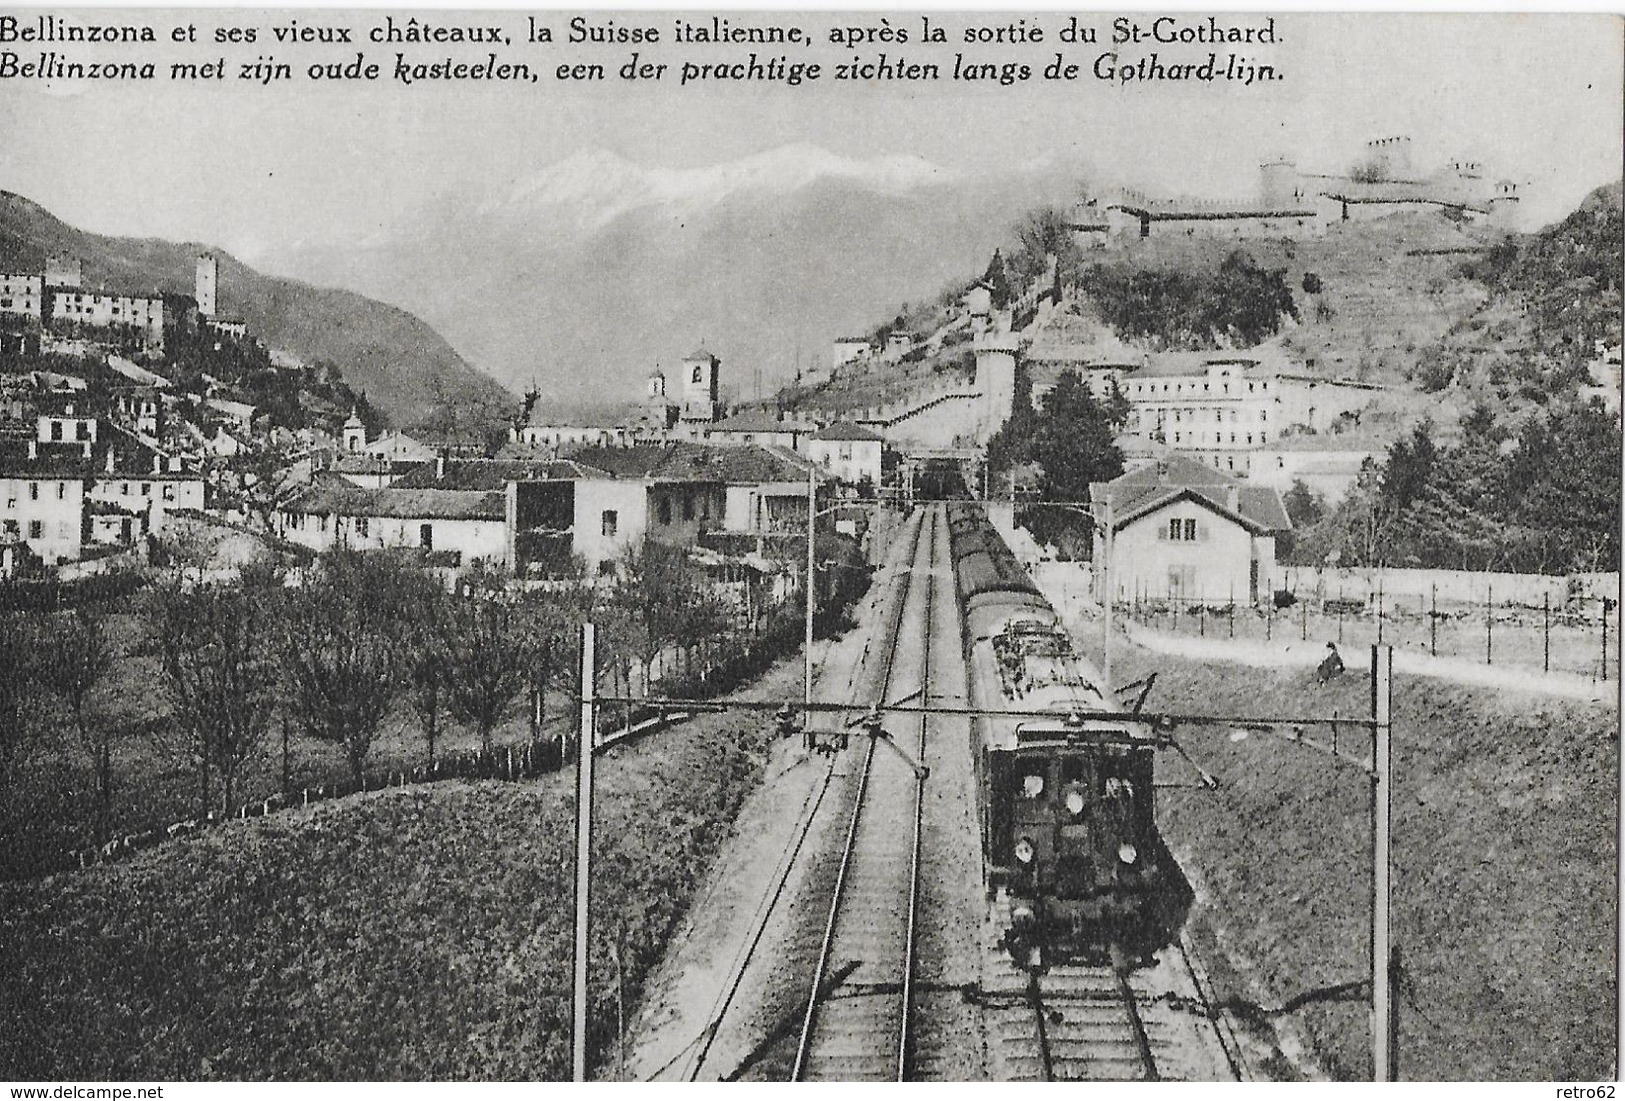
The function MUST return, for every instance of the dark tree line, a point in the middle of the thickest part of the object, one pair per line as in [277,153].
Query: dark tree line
[1541,497]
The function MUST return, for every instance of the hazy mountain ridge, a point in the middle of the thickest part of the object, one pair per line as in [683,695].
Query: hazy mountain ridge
[593,270]
[402,365]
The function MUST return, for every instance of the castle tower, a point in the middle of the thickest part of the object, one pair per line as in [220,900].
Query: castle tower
[208,274]
[700,386]
[995,383]
[64,271]
[355,434]
[657,385]
[1504,206]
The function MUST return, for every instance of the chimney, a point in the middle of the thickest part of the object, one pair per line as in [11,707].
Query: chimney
[86,448]
[1232,497]
[440,468]
[111,460]
[33,449]
[157,463]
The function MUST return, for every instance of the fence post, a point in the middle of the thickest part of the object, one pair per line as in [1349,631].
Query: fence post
[1379,612]
[1303,633]
[1604,638]
[1546,632]
[1232,613]
[1489,625]
[1269,618]
[1433,624]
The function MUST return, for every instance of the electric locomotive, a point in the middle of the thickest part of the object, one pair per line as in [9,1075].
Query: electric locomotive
[1074,865]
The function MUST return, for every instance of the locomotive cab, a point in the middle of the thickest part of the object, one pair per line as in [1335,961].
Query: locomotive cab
[1073,845]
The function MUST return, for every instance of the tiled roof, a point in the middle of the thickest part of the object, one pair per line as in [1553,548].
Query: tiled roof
[66,458]
[410,504]
[1156,484]
[759,421]
[846,430]
[491,474]
[373,464]
[694,462]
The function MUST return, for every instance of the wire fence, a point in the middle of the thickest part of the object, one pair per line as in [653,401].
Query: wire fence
[1579,636]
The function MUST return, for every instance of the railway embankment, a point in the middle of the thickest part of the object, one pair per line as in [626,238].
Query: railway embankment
[707,1012]
[1505,850]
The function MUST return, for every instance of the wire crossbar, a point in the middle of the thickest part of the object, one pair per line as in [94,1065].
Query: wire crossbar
[1154,718]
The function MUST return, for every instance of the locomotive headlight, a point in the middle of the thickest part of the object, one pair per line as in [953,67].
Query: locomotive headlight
[1024,850]
[1127,853]
[1074,802]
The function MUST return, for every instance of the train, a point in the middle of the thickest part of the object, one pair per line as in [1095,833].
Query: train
[1075,867]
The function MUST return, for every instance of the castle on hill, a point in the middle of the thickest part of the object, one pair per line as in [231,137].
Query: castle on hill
[58,300]
[1294,203]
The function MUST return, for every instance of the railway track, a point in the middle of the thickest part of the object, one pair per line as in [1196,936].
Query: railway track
[698,1064]
[1104,1023]
[859,1029]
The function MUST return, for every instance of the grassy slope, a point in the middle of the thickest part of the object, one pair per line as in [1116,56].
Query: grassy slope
[401,363]
[418,933]
[1505,850]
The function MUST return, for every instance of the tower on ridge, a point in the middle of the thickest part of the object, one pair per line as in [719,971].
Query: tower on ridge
[208,276]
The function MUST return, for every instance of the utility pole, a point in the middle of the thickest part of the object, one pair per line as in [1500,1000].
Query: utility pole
[1384,1056]
[584,747]
[812,516]
[1106,586]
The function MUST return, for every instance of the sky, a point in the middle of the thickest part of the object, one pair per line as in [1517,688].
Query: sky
[1537,98]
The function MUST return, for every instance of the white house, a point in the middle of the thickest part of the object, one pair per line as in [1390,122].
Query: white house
[1184,531]
[399,447]
[333,513]
[77,468]
[850,452]
[42,505]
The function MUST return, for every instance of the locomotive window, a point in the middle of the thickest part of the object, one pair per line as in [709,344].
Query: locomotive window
[1032,785]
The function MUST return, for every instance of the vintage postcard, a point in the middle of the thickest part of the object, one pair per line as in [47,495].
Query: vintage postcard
[662,546]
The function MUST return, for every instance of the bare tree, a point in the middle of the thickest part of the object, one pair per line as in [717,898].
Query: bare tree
[428,663]
[552,618]
[656,590]
[346,649]
[217,649]
[489,658]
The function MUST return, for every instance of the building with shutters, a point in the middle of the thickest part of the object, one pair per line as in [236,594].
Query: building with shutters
[1184,531]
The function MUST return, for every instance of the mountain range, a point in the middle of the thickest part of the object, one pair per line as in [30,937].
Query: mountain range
[585,275]
[402,365]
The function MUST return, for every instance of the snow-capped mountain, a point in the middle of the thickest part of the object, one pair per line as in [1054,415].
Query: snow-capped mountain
[597,186]
[588,271]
